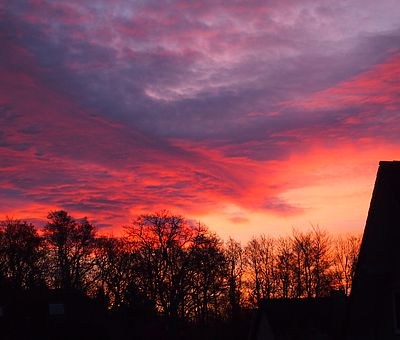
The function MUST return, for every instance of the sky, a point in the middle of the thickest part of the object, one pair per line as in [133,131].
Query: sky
[249,116]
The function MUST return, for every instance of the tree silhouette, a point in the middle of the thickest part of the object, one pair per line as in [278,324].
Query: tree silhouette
[260,266]
[285,263]
[208,273]
[312,263]
[345,256]
[179,266]
[171,272]
[160,241]
[70,244]
[21,254]
[116,269]
[235,261]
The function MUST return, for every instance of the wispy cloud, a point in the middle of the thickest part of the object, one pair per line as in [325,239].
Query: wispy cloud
[109,108]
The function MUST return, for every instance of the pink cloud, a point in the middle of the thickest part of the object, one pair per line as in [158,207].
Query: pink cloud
[109,109]
[378,86]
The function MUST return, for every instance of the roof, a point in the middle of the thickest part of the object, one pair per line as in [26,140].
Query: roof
[377,278]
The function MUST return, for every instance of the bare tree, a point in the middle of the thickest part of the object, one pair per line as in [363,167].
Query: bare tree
[21,254]
[160,241]
[180,266]
[261,268]
[116,267]
[312,263]
[208,271]
[234,256]
[345,256]
[253,270]
[285,263]
[70,246]
[322,257]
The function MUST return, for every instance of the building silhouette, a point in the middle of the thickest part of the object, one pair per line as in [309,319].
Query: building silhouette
[374,305]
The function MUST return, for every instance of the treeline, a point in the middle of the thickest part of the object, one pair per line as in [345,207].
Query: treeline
[166,265]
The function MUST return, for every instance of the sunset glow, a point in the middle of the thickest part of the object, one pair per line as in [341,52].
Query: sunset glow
[250,116]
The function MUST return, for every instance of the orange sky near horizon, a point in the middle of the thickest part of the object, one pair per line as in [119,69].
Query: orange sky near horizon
[325,187]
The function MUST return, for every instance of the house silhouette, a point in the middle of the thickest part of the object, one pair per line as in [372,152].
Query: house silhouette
[374,305]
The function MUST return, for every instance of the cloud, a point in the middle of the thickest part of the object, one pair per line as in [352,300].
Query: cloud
[113,108]
[239,219]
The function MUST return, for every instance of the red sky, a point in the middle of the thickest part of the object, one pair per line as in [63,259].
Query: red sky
[250,116]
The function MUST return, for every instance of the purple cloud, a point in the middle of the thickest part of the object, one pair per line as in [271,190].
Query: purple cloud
[108,105]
